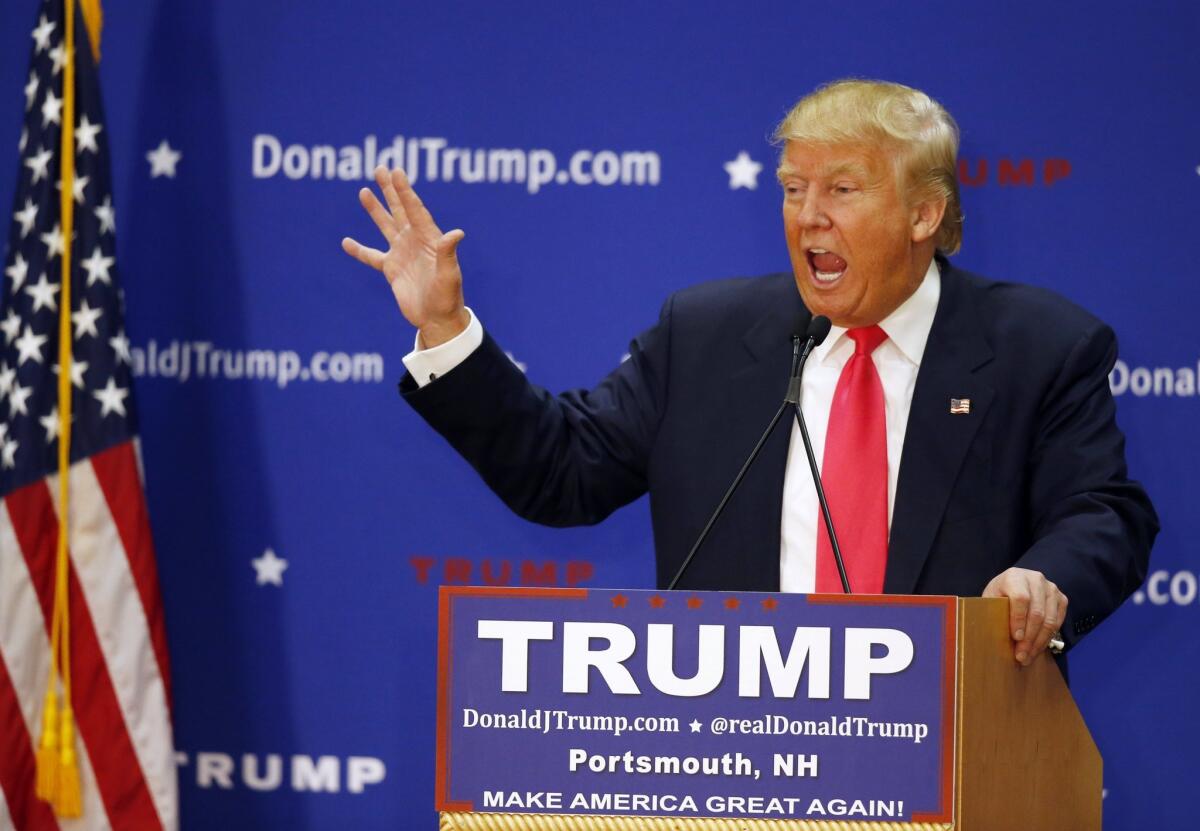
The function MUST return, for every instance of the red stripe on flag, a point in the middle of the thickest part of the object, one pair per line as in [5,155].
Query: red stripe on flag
[101,726]
[117,471]
[17,763]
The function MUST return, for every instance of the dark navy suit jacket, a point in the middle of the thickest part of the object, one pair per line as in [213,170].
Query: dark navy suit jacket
[1034,475]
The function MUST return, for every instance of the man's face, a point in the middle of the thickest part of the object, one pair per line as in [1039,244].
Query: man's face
[851,234]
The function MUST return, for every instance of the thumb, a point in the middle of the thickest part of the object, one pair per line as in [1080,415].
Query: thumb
[447,246]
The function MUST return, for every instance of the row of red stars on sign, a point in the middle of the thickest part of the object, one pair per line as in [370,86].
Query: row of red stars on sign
[620,601]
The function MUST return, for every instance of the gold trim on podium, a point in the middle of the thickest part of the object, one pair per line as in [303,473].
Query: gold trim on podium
[452,821]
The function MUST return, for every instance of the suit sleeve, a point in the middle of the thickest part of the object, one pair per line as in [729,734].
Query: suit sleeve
[570,459]
[1092,526]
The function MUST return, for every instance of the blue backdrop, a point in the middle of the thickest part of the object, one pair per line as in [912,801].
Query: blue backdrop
[304,696]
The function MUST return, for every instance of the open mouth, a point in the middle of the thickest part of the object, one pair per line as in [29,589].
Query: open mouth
[826,266]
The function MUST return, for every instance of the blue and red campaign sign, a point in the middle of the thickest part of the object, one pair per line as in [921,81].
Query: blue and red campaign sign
[707,704]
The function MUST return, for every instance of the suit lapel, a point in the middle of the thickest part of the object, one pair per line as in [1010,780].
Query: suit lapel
[758,388]
[936,441]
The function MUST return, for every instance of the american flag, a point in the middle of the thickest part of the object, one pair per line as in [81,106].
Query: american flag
[118,651]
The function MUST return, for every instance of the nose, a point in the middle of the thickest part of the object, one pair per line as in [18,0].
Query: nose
[812,211]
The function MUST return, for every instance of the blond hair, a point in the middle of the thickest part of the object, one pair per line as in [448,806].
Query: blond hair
[917,128]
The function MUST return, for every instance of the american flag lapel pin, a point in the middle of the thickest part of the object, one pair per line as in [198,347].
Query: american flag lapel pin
[960,406]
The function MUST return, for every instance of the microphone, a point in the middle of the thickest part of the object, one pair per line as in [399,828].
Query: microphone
[818,330]
[815,334]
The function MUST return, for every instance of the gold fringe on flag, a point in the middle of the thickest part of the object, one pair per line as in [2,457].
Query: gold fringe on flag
[57,763]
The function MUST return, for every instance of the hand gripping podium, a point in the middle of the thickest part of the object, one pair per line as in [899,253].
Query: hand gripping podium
[614,709]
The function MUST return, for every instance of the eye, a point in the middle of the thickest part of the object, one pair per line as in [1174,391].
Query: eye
[844,188]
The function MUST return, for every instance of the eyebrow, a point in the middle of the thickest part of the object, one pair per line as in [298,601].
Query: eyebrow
[843,169]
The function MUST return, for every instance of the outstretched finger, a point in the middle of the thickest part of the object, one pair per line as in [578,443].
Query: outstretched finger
[365,255]
[379,214]
[383,178]
[414,208]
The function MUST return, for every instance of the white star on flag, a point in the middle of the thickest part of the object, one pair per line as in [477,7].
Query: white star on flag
[29,346]
[107,216]
[53,241]
[11,326]
[97,267]
[31,90]
[77,186]
[43,292]
[41,35]
[39,164]
[743,172]
[7,376]
[50,424]
[163,160]
[120,345]
[269,568]
[27,216]
[9,453]
[77,370]
[51,109]
[23,140]
[111,398]
[85,320]
[17,272]
[17,399]
[85,136]
[59,55]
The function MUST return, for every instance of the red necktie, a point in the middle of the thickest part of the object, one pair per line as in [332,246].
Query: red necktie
[855,473]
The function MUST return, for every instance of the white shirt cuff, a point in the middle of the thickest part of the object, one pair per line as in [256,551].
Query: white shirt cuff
[425,365]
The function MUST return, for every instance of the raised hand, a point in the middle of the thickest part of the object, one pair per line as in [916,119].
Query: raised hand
[420,263]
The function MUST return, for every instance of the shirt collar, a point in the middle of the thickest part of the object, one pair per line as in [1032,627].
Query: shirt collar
[907,327]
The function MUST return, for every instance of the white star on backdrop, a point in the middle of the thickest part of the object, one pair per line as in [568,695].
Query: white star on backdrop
[39,163]
[85,320]
[97,267]
[43,292]
[163,160]
[268,568]
[85,136]
[7,376]
[41,34]
[29,346]
[111,398]
[743,172]
[27,216]
[17,272]
[695,725]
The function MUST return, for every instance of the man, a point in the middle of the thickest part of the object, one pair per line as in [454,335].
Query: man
[966,426]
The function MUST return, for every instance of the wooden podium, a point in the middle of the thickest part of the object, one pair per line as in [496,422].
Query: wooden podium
[1022,757]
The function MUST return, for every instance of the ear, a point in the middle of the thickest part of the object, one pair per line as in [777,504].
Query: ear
[926,217]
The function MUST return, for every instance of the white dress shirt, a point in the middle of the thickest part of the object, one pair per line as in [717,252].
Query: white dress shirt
[897,360]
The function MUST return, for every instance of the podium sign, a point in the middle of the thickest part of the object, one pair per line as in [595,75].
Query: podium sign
[710,704]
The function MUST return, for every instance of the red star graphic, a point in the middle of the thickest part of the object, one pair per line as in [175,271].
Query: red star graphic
[620,601]
[694,603]
[657,602]
[732,603]
[770,603]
